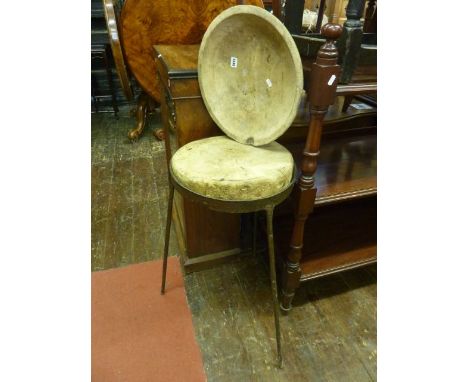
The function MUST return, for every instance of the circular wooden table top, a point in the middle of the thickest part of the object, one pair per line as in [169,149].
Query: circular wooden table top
[250,75]
[145,23]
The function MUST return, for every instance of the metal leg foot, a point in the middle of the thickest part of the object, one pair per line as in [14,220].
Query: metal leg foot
[274,290]
[167,236]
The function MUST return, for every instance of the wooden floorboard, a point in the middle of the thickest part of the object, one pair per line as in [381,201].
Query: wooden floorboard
[129,193]
[330,334]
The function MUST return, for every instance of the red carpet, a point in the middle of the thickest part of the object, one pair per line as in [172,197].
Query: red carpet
[139,335]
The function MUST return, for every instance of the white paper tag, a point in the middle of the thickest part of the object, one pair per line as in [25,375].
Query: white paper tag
[331,80]
[233,62]
[268,82]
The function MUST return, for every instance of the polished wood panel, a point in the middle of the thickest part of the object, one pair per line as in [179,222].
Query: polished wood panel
[205,237]
[341,168]
[336,119]
[338,237]
[149,22]
[346,169]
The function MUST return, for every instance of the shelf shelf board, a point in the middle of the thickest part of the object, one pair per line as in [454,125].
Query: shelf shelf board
[322,266]
[336,237]
[347,167]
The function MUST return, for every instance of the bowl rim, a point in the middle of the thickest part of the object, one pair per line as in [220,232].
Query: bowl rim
[261,13]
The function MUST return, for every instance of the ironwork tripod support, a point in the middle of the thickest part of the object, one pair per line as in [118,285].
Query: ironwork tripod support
[267,204]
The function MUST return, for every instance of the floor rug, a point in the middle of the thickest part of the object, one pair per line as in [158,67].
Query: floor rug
[139,335]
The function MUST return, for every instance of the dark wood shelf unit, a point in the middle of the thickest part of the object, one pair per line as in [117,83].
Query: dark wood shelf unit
[347,168]
[339,237]
[336,120]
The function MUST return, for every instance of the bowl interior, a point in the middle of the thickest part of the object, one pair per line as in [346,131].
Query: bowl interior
[250,76]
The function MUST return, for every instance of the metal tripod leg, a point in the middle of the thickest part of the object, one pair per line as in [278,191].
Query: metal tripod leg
[254,234]
[274,290]
[167,236]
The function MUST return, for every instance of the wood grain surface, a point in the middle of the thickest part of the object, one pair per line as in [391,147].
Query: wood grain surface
[201,232]
[150,22]
[250,75]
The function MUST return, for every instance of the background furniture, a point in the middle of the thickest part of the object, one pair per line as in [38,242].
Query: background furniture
[100,57]
[341,169]
[112,12]
[113,96]
[144,23]
[204,236]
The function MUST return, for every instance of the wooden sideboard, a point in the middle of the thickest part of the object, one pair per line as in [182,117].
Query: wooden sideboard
[204,236]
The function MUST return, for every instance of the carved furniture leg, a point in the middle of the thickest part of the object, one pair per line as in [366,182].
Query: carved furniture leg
[321,94]
[141,112]
[167,235]
[305,193]
[274,289]
[159,134]
[353,38]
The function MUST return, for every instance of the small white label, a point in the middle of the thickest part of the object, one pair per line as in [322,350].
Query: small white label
[331,80]
[233,62]
[268,82]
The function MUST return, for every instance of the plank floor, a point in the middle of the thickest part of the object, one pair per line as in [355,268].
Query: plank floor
[330,335]
[129,192]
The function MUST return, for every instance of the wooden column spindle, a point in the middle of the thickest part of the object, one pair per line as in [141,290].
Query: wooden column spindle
[352,38]
[293,13]
[321,94]
[276,7]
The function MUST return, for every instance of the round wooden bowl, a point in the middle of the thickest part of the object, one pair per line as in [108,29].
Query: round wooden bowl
[173,22]
[250,75]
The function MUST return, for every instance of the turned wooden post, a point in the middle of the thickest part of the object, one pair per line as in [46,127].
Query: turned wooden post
[276,7]
[351,39]
[293,11]
[321,94]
